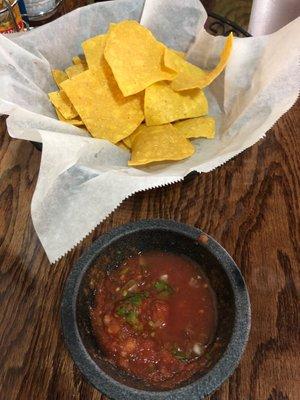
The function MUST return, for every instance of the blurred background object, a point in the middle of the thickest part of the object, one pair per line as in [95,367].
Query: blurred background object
[268,16]
[36,8]
[258,17]
[41,10]
[60,8]
[237,11]
[10,16]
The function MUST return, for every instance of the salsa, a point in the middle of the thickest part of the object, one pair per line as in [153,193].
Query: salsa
[155,317]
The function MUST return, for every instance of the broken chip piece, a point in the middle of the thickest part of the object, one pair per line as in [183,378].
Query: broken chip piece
[93,49]
[79,60]
[135,57]
[74,121]
[190,76]
[129,139]
[163,104]
[62,103]
[59,76]
[106,113]
[74,70]
[196,127]
[159,143]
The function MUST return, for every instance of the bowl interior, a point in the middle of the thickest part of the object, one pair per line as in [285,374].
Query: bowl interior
[147,240]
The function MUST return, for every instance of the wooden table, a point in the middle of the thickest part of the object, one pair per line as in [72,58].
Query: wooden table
[250,205]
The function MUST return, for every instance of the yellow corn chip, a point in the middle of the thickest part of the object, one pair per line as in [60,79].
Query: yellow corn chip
[106,113]
[135,57]
[163,104]
[76,60]
[191,77]
[62,103]
[59,76]
[196,127]
[74,70]
[94,50]
[159,143]
[129,139]
[122,145]
[76,121]
[179,53]
[79,60]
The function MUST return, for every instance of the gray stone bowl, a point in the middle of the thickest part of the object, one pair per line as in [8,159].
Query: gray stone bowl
[110,250]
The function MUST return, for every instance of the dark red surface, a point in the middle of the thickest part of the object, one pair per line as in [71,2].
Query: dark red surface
[155,317]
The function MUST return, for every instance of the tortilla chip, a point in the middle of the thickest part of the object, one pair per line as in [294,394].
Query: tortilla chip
[76,121]
[179,53]
[94,50]
[129,139]
[76,60]
[106,113]
[79,60]
[59,76]
[191,77]
[74,70]
[62,103]
[122,145]
[159,143]
[135,57]
[163,104]
[196,127]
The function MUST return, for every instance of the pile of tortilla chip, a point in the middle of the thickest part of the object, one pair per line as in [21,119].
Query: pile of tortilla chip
[132,90]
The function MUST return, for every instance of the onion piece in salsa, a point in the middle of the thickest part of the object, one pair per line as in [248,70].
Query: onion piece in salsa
[155,317]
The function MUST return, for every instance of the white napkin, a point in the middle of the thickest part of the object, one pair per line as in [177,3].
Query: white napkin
[82,180]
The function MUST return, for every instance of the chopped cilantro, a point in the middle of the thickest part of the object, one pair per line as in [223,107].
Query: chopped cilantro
[163,288]
[136,298]
[130,316]
[122,311]
[128,308]
[180,355]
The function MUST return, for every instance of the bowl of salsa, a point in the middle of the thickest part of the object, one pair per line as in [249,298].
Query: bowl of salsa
[156,310]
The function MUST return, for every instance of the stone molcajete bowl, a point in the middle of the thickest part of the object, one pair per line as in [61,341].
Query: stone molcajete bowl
[110,250]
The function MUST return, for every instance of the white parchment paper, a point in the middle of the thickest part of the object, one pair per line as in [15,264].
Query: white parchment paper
[82,180]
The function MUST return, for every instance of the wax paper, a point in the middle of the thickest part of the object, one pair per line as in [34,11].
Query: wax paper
[81,179]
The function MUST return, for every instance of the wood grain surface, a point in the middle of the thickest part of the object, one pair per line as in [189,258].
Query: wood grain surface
[250,205]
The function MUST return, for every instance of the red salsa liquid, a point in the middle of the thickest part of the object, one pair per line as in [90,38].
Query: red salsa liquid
[155,317]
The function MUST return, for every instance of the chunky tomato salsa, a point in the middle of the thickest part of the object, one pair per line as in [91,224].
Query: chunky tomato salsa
[155,317]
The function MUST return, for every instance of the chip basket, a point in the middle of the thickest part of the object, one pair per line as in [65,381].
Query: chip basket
[218,25]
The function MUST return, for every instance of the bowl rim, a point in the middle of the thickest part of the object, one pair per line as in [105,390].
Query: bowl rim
[196,390]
